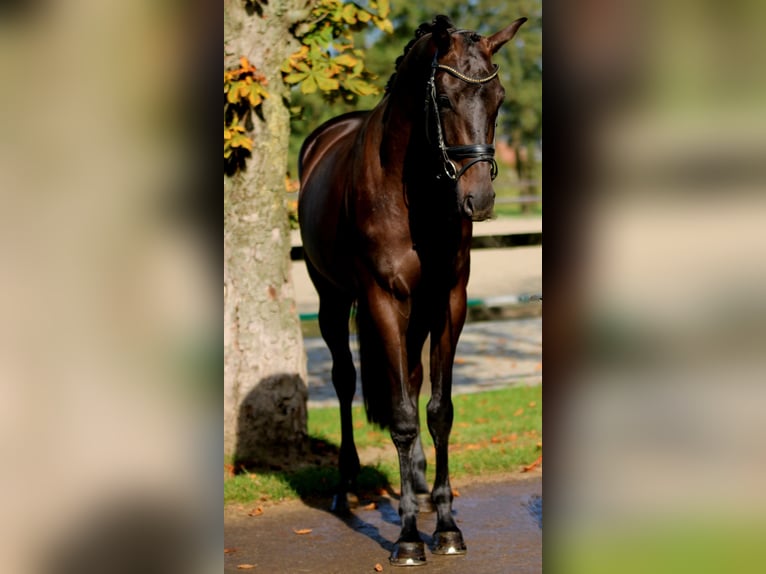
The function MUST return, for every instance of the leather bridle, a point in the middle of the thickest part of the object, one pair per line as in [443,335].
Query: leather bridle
[475,152]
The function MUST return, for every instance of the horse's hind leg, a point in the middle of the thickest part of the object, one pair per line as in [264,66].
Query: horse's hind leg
[334,308]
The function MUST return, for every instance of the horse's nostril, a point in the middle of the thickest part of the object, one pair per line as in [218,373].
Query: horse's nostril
[468,206]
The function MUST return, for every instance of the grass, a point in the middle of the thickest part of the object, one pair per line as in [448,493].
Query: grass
[695,544]
[494,431]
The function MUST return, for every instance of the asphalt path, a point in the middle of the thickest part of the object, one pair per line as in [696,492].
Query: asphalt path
[501,522]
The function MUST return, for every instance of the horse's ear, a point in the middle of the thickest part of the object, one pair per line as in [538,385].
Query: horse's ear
[497,40]
[442,33]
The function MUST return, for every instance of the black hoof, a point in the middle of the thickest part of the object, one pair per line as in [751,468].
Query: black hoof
[449,543]
[408,554]
[424,502]
[340,505]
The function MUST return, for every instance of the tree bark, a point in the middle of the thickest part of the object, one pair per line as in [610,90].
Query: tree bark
[265,392]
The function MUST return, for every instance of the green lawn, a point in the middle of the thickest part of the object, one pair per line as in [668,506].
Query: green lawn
[700,544]
[494,431]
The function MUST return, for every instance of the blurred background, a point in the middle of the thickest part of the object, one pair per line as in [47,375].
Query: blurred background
[656,429]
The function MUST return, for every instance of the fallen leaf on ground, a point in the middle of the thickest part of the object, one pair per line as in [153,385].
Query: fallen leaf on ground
[533,465]
[455,492]
[532,405]
[378,567]
[518,412]
[229,550]
[245,566]
[228,470]
[256,511]
[302,530]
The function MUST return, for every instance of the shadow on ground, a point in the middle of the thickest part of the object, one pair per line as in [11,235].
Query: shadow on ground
[315,480]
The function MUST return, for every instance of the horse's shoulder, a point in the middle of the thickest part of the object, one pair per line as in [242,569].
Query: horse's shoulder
[329,133]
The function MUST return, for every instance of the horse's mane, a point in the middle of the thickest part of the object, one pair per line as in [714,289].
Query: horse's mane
[439,24]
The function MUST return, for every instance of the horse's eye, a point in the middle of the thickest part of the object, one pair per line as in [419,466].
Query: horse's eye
[444,102]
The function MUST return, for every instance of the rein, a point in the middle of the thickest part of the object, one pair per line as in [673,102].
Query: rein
[476,152]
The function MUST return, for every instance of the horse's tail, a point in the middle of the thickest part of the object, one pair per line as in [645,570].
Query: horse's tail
[374,369]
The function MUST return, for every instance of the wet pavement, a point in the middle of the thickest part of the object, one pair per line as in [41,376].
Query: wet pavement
[501,523]
[490,355]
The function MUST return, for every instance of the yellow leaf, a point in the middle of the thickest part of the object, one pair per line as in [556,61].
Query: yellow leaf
[384,8]
[309,85]
[363,16]
[349,13]
[303,531]
[295,78]
[327,84]
[346,60]
[233,96]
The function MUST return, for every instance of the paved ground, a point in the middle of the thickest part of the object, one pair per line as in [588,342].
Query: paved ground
[501,523]
[490,355]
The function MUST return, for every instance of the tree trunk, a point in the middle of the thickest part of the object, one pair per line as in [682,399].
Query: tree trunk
[264,362]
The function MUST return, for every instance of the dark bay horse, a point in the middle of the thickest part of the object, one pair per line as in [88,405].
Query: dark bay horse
[386,208]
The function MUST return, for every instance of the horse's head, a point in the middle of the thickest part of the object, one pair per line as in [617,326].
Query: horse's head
[463,99]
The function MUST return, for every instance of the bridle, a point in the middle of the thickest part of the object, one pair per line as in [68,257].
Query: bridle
[475,152]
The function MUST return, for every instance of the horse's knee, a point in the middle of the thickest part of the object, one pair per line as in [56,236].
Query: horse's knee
[440,412]
[405,430]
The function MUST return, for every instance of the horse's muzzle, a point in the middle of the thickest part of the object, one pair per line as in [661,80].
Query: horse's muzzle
[478,207]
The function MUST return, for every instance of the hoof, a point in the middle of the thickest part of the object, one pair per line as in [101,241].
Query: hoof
[408,554]
[424,502]
[449,543]
[340,505]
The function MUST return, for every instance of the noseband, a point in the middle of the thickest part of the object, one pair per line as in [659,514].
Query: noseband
[476,152]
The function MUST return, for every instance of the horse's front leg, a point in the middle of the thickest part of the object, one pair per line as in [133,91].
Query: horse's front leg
[447,538]
[390,316]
